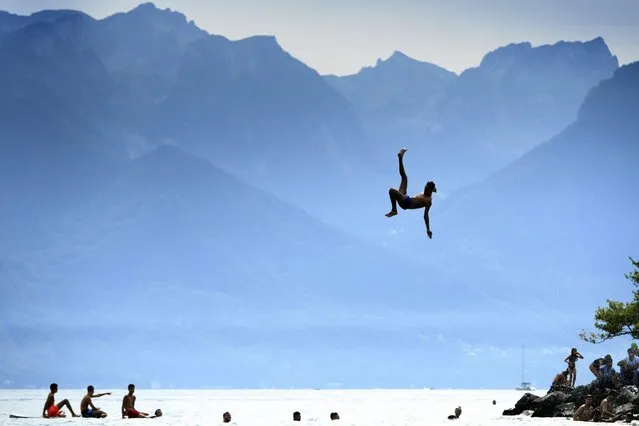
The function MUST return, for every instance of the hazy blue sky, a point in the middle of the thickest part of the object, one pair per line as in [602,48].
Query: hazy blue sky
[341,36]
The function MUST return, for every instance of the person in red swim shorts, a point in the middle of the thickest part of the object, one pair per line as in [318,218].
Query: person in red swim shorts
[51,409]
[128,405]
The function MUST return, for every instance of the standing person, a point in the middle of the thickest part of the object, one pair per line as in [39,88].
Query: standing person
[128,405]
[87,409]
[572,365]
[423,200]
[595,366]
[51,409]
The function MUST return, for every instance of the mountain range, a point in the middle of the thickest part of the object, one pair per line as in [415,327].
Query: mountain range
[469,125]
[192,197]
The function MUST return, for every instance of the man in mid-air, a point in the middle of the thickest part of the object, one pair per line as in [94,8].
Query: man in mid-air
[422,200]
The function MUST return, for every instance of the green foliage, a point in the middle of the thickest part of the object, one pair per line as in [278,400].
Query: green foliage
[618,318]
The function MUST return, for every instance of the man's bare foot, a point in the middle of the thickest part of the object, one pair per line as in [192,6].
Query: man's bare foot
[390,213]
[401,152]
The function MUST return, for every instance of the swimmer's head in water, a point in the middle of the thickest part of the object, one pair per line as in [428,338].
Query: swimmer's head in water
[334,416]
[158,413]
[458,411]
[430,187]
[226,417]
[297,416]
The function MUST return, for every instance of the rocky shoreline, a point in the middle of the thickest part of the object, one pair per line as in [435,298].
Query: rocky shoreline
[563,402]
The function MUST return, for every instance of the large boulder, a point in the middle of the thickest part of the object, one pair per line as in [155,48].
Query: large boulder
[567,409]
[626,394]
[565,403]
[622,410]
[548,405]
[525,403]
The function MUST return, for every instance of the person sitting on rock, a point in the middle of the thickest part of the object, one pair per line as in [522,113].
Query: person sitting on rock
[595,366]
[585,412]
[608,375]
[607,405]
[560,382]
[628,368]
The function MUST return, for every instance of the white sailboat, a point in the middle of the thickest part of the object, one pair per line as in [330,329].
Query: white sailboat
[524,386]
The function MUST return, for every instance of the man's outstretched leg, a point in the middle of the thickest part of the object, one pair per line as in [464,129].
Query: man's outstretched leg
[398,195]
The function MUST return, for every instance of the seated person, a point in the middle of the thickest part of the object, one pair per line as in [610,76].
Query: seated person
[628,368]
[560,382]
[595,366]
[607,405]
[128,405]
[607,373]
[585,412]
[87,409]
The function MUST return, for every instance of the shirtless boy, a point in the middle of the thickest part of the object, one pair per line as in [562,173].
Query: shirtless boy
[585,412]
[87,409]
[561,380]
[51,409]
[128,405]
[422,200]
[607,405]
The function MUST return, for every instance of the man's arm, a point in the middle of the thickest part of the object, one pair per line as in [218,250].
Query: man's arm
[427,221]
[578,413]
[123,409]
[98,395]
[46,405]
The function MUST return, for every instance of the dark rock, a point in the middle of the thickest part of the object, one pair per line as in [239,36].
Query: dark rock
[526,402]
[625,409]
[567,409]
[559,388]
[578,394]
[565,403]
[547,405]
[626,395]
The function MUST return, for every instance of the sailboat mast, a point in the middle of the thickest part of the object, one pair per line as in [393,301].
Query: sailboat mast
[523,365]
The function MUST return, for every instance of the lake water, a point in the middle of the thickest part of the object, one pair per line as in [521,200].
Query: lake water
[276,407]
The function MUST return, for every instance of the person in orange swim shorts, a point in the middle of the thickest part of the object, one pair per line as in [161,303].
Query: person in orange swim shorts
[51,409]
